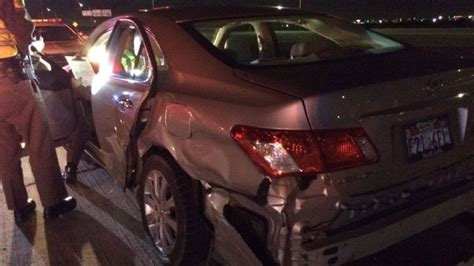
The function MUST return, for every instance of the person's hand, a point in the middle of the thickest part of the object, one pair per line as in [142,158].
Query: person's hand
[38,44]
[76,83]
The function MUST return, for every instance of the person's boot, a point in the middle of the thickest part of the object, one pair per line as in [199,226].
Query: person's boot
[70,173]
[64,206]
[24,213]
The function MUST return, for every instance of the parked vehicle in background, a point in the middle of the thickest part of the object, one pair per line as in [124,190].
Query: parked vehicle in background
[286,136]
[59,39]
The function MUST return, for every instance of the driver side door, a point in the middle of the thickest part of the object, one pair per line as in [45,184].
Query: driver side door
[118,92]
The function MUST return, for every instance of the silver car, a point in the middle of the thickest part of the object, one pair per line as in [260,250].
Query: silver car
[278,136]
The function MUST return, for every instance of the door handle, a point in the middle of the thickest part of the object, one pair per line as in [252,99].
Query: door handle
[125,103]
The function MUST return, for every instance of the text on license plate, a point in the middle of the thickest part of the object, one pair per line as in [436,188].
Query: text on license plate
[427,138]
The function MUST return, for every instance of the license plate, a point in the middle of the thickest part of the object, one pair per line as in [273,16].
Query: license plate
[427,138]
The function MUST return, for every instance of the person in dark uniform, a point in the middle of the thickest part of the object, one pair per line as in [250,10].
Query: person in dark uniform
[21,119]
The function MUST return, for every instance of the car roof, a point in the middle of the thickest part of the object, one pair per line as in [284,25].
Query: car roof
[42,24]
[48,22]
[200,13]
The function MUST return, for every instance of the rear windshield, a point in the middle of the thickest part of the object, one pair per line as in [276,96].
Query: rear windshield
[55,33]
[286,40]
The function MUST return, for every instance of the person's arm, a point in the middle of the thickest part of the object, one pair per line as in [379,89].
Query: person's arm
[17,22]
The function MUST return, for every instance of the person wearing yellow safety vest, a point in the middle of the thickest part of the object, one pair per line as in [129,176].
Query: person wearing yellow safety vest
[21,118]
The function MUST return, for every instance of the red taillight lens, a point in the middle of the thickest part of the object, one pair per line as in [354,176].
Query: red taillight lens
[346,148]
[287,152]
[280,152]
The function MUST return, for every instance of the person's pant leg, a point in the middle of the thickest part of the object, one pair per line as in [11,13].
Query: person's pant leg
[32,126]
[10,167]
[77,142]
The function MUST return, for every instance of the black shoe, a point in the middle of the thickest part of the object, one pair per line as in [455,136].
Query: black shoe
[70,174]
[24,213]
[66,205]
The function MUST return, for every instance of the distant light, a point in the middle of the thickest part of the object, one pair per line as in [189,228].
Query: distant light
[460,95]
[440,17]
[358,21]
[434,20]
[81,4]
[75,24]
[279,7]
[470,17]
[48,9]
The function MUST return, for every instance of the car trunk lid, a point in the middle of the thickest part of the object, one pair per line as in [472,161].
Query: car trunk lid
[386,95]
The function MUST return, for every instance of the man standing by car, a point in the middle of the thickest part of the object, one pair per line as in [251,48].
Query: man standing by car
[21,119]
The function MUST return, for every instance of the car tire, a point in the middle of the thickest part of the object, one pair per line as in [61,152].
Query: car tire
[172,219]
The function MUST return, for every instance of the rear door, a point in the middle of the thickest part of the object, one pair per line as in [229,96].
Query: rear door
[118,91]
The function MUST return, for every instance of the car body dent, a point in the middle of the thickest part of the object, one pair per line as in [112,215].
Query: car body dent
[209,153]
[216,100]
[229,243]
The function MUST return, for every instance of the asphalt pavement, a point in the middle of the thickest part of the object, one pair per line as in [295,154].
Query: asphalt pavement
[105,229]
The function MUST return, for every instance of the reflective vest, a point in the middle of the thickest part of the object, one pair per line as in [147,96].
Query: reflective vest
[7,42]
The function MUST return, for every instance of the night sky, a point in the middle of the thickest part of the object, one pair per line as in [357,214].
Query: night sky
[349,9]
[394,8]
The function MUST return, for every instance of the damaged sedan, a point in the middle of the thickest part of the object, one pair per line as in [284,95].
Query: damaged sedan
[278,136]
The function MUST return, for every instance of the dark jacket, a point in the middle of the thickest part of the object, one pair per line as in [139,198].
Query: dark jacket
[17,23]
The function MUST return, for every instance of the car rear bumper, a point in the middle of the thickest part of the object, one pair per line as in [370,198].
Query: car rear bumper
[290,245]
[379,234]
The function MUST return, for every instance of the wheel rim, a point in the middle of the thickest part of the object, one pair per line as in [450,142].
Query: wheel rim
[160,211]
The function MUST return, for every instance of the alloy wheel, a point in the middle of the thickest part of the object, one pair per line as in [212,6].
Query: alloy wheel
[160,211]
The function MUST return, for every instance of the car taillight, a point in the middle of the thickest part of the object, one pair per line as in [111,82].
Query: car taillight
[288,152]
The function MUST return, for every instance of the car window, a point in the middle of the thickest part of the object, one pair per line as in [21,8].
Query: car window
[292,39]
[55,33]
[131,61]
[97,52]
[288,34]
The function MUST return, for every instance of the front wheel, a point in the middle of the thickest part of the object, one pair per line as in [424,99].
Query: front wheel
[171,216]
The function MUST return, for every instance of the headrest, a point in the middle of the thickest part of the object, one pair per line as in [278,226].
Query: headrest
[240,48]
[317,46]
